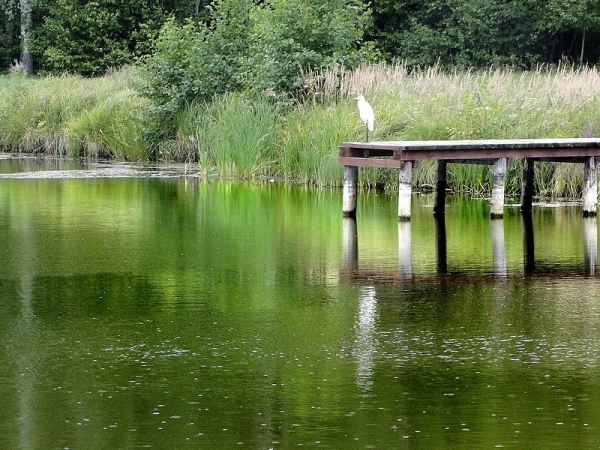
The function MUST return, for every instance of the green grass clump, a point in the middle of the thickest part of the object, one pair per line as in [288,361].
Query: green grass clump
[72,116]
[309,141]
[234,134]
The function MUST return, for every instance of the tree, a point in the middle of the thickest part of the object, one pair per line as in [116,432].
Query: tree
[248,46]
[195,61]
[468,33]
[568,24]
[293,35]
[392,18]
[90,36]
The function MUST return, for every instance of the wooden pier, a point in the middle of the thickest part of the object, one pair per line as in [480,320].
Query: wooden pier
[404,155]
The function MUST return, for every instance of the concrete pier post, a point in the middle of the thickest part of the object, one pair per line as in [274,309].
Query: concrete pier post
[350,191]
[527,186]
[439,194]
[590,187]
[404,190]
[499,177]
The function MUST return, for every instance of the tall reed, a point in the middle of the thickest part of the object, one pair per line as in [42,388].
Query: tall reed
[237,134]
[308,143]
[499,103]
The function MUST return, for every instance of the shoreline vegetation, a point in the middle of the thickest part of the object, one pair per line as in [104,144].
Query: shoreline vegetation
[250,137]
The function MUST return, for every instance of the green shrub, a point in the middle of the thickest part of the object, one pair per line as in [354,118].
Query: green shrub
[249,47]
[195,62]
[291,36]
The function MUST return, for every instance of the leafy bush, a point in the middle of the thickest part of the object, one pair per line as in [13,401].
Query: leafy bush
[194,62]
[294,35]
[249,47]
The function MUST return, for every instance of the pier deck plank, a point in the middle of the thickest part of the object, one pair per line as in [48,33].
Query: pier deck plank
[393,153]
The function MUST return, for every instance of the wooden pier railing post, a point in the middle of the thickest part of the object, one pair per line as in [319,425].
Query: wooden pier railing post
[590,187]
[439,194]
[404,190]
[350,189]
[499,176]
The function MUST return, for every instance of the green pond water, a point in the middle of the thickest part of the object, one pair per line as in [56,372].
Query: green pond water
[144,311]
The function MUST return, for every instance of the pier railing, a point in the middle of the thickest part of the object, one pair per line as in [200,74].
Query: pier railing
[404,155]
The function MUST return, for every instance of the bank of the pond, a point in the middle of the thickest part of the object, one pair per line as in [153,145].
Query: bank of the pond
[252,137]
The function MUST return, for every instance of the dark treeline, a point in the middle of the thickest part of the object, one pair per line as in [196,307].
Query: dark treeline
[88,37]
[479,33]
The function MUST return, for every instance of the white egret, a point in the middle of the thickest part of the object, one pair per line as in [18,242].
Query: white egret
[366,114]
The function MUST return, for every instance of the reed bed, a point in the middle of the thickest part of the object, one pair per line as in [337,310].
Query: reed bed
[73,116]
[240,136]
[499,103]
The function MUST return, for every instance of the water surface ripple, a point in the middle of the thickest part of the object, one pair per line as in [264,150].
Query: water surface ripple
[142,308]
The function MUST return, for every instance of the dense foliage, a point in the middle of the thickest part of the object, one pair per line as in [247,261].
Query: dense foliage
[86,36]
[248,47]
[299,34]
[480,33]
[90,36]
[9,33]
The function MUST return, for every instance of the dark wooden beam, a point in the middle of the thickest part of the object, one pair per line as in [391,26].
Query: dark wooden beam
[567,150]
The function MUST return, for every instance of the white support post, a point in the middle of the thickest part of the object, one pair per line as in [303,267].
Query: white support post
[350,189]
[404,190]
[405,250]
[499,176]
[590,187]
[498,248]
[590,245]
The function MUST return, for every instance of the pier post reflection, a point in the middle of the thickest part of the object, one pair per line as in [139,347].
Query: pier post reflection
[440,244]
[498,248]
[528,247]
[590,245]
[365,346]
[349,247]
[405,250]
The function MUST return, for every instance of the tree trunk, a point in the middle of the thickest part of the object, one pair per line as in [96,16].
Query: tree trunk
[26,57]
[582,48]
